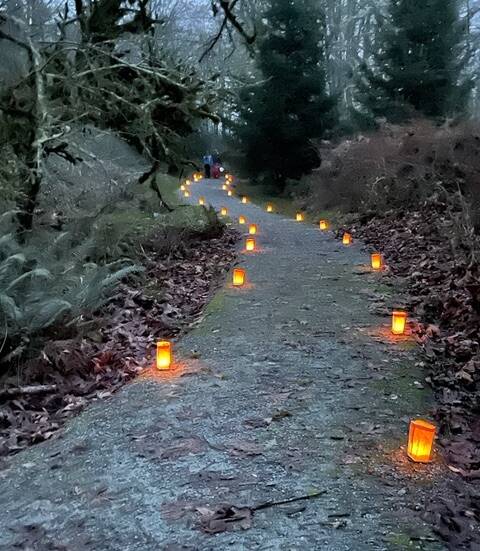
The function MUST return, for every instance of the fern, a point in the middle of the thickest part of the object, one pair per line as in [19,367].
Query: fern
[9,307]
[10,268]
[46,314]
[18,258]
[39,273]
[8,245]
[114,278]
[50,281]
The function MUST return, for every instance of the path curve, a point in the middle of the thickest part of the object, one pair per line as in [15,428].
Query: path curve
[285,392]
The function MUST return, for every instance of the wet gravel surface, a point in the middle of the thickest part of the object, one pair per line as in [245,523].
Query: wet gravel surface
[288,387]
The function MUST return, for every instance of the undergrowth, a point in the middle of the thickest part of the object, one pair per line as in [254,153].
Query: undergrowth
[52,281]
[399,167]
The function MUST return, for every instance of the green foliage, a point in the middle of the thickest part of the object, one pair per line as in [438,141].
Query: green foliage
[282,113]
[54,279]
[10,171]
[49,282]
[419,63]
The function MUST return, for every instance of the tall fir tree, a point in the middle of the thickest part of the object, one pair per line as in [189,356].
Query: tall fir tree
[288,107]
[422,52]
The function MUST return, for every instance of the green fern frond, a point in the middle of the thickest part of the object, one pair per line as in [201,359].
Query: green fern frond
[39,273]
[47,313]
[8,245]
[60,244]
[9,215]
[114,278]
[9,307]
[11,268]
[18,258]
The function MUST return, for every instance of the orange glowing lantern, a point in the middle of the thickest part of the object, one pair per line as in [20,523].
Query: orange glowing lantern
[300,217]
[252,229]
[230,193]
[201,201]
[239,277]
[250,244]
[224,211]
[242,220]
[347,239]
[377,261]
[186,194]
[269,208]
[225,187]
[164,355]
[188,182]
[244,200]
[399,320]
[323,225]
[420,441]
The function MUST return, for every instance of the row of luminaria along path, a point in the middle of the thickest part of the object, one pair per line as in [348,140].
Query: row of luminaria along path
[421,433]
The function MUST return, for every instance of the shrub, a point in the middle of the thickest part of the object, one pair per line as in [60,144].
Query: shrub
[48,283]
[398,167]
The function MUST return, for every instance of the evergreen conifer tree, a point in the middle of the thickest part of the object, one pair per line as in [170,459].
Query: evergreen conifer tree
[418,66]
[280,114]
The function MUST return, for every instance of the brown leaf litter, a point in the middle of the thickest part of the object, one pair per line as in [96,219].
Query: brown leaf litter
[39,396]
[443,282]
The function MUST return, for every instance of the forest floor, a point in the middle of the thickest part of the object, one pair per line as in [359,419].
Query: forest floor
[290,387]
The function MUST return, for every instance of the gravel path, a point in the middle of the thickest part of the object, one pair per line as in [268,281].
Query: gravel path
[287,388]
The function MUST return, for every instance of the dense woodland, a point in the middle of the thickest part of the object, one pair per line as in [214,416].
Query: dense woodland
[365,110]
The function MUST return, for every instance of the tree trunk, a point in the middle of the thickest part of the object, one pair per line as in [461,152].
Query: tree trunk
[38,137]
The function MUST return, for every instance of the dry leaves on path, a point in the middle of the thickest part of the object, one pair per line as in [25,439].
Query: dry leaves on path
[242,448]
[175,449]
[227,518]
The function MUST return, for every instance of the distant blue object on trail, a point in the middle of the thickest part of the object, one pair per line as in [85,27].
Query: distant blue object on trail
[207,164]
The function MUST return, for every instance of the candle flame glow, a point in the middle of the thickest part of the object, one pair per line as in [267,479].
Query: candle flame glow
[250,244]
[239,276]
[164,355]
[399,320]
[421,436]
[377,261]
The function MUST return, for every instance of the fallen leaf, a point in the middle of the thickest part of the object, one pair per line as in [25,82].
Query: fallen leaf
[244,448]
[226,518]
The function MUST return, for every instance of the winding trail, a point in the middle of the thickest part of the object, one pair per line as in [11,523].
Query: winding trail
[286,388]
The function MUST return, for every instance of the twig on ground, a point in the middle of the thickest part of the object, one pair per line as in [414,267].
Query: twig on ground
[24,390]
[269,504]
